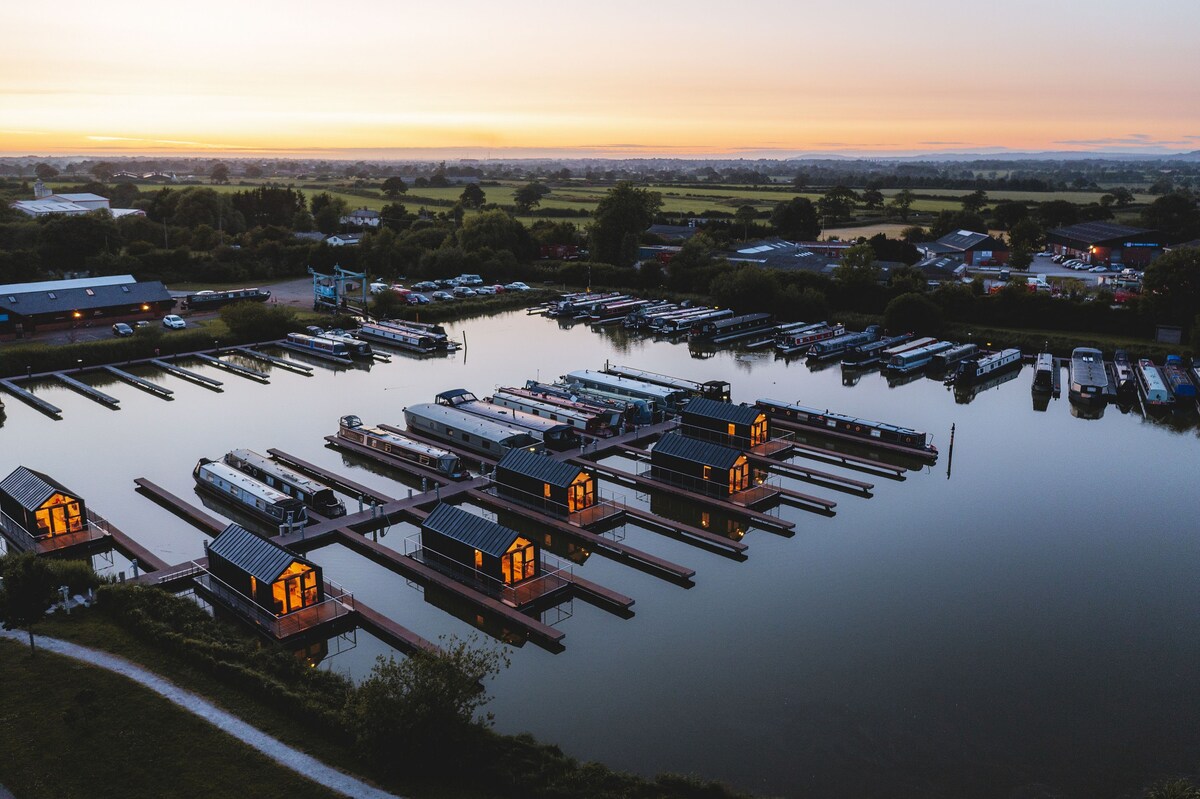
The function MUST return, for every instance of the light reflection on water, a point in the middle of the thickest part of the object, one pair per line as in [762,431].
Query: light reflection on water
[1032,619]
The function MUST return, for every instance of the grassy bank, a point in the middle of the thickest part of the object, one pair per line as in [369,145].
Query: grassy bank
[76,731]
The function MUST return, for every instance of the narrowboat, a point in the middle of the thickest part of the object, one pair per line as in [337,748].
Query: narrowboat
[405,339]
[468,431]
[351,428]
[1043,374]
[952,357]
[1177,378]
[839,423]
[906,346]
[972,371]
[913,360]
[211,300]
[609,412]
[357,348]
[642,316]
[632,411]
[1123,371]
[613,312]
[684,324]
[869,354]
[303,341]
[801,340]
[571,305]
[434,331]
[245,493]
[1152,385]
[554,435]
[711,389]
[833,347]
[662,397]
[314,495]
[1089,378]
[700,466]
[585,421]
[723,331]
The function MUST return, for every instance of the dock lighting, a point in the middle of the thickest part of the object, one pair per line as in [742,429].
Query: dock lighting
[76,314]
[145,307]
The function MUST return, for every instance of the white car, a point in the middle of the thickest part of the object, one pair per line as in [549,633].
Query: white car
[517,285]
[174,322]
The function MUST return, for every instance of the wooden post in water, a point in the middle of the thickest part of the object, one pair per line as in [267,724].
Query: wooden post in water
[950,454]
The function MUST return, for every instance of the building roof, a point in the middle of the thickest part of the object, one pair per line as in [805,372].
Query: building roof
[943,267]
[474,531]
[75,283]
[30,489]
[84,197]
[1099,232]
[672,232]
[364,213]
[39,207]
[967,240]
[84,298]
[677,445]
[257,556]
[309,236]
[777,253]
[539,467]
[721,411]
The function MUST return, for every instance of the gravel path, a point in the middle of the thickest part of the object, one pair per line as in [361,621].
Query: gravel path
[278,751]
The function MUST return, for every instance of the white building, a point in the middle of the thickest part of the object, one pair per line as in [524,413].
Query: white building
[344,239]
[361,217]
[45,203]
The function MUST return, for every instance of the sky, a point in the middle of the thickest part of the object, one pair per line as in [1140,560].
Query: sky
[620,78]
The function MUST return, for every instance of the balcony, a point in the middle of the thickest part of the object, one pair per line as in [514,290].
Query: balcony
[337,603]
[555,575]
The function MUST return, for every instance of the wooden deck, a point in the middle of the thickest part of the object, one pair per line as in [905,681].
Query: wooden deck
[33,399]
[179,507]
[233,368]
[144,385]
[88,391]
[187,374]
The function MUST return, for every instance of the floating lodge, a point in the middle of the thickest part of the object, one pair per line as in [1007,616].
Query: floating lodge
[35,507]
[701,466]
[555,486]
[262,571]
[403,448]
[743,426]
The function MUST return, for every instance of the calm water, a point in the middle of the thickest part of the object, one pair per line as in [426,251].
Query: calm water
[1030,619]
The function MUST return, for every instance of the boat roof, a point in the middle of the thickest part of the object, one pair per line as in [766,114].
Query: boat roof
[474,531]
[259,557]
[1087,367]
[469,422]
[616,381]
[278,469]
[247,483]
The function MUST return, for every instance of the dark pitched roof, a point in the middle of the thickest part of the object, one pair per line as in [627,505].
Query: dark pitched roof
[262,559]
[1095,232]
[474,531]
[30,489]
[680,446]
[539,467]
[672,232]
[964,240]
[721,411]
[78,299]
[944,267]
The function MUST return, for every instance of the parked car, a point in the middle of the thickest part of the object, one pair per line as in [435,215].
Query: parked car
[470,280]
[448,283]
[122,329]
[442,296]
[417,299]
[1098,269]
[498,289]
[1058,259]
[517,285]
[141,323]
[463,291]
[425,285]
[174,322]
[1046,254]
[313,330]
[485,290]
[377,288]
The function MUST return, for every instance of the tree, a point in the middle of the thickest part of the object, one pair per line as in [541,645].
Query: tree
[974,202]
[1020,258]
[254,171]
[620,217]
[103,171]
[1172,281]
[327,211]
[915,234]
[394,186]
[873,199]
[26,592]
[219,174]
[395,216]
[837,203]
[45,171]
[1026,234]
[1057,213]
[257,321]
[901,204]
[529,196]
[745,216]
[913,313]
[858,267]
[796,220]
[950,221]
[1122,196]
[1008,213]
[424,705]
[472,197]
[495,231]
[1175,215]
[799,181]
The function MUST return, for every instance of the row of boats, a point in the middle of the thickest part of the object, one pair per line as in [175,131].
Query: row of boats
[336,344]
[1094,381]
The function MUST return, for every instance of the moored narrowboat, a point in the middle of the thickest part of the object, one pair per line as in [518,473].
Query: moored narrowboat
[912,360]
[1177,378]
[316,496]
[828,421]
[724,331]
[972,371]
[802,339]
[247,494]
[553,434]
[402,338]
[443,461]
[1043,374]
[1152,385]
[303,341]
[870,354]
[1089,378]
[833,347]
[468,431]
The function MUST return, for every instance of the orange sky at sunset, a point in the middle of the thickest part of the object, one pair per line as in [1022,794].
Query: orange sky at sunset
[620,78]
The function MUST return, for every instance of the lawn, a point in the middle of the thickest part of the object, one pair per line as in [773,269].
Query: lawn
[78,731]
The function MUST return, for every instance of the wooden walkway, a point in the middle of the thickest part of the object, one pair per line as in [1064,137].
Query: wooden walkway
[145,385]
[88,391]
[390,632]
[28,396]
[187,374]
[332,479]
[179,507]
[835,481]
[237,369]
[282,363]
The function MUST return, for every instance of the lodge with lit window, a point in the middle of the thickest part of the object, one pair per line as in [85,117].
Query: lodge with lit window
[451,537]
[545,483]
[741,426]
[700,466]
[96,301]
[35,507]
[263,572]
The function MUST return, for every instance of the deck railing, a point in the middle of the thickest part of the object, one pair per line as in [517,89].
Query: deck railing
[337,603]
[554,575]
[25,541]
[777,443]
[757,489]
[606,506]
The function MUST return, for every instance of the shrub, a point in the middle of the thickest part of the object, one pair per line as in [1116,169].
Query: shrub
[913,313]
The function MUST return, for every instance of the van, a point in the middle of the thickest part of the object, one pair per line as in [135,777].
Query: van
[470,280]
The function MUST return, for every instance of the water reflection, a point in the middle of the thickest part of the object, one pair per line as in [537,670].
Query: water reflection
[965,394]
